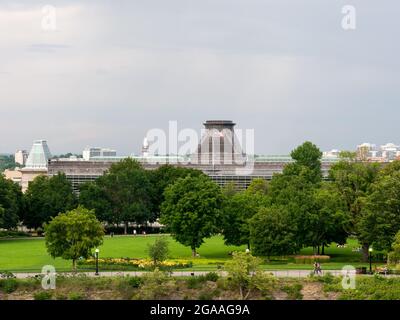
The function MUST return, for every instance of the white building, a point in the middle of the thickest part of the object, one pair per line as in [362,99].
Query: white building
[334,153]
[90,153]
[20,157]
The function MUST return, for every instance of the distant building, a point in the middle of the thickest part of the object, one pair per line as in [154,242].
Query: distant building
[373,153]
[334,153]
[14,175]
[90,153]
[20,157]
[219,155]
[36,164]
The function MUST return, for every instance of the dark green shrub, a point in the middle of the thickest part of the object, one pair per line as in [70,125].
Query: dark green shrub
[212,276]
[42,295]
[206,295]
[294,291]
[8,285]
[194,282]
[75,296]
[135,282]
[327,278]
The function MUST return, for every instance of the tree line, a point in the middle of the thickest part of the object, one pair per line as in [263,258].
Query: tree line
[296,209]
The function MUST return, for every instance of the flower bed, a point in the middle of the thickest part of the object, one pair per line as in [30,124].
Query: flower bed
[139,264]
[311,259]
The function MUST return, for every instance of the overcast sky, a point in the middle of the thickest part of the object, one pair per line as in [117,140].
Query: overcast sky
[112,70]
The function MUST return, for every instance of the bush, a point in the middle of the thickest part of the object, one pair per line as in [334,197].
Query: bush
[243,272]
[8,285]
[42,295]
[206,295]
[76,296]
[265,283]
[158,251]
[294,291]
[155,285]
[14,234]
[327,278]
[194,282]
[135,282]
[212,276]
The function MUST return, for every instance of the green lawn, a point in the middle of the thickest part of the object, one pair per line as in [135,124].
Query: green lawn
[30,254]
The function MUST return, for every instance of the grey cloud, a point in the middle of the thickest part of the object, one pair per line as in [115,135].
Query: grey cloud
[285,68]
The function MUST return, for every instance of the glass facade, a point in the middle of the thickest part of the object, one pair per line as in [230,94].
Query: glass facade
[39,155]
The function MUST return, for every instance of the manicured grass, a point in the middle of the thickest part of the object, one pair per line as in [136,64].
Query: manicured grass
[30,255]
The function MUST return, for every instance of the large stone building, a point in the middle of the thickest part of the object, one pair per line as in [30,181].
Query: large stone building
[218,155]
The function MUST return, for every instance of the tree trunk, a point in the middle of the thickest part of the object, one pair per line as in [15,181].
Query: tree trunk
[194,252]
[318,250]
[323,249]
[74,265]
[126,228]
[365,254]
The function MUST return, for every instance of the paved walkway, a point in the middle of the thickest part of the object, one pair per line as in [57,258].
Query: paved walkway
[277,273]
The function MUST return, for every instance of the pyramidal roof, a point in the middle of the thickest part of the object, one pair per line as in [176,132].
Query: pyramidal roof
[39,155]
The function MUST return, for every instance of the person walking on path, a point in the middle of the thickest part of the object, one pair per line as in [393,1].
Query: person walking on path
[315,267]
[319,271]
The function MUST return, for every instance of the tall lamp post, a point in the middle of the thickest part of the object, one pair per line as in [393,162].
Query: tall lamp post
[370,259]
[97,261]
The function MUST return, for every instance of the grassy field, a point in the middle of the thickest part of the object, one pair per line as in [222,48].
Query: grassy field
[30,254]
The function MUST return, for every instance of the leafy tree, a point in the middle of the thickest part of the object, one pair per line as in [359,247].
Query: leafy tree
[238,208]
[314,209]
[128,187]
[1,215]
[308,155]
[348,155]
[94,195]
[257,186]
[121,195]
[191,210]
[7,162]
[243,272]
[380,218]
[295,192]
[229,190]
[46,197]
[332,222]
[273,233]
[353,181]
[11,203]
[394,255]
[158,251]
[161,178]
[73,234]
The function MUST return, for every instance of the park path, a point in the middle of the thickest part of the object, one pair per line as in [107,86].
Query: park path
[277,273]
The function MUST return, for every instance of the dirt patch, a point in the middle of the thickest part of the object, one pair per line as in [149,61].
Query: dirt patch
[314,291]
[279,295]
